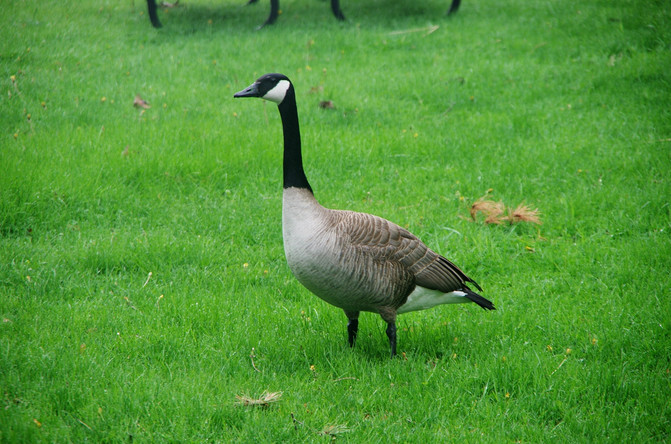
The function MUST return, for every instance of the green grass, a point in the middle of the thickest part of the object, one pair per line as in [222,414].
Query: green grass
[564,106]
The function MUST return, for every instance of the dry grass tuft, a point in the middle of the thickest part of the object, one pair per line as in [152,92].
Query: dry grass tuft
[265,400]
[334,430]
[494,213]
[523,214]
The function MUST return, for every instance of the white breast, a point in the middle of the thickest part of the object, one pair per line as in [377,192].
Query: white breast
[302,220]
[306,239]
[312,249]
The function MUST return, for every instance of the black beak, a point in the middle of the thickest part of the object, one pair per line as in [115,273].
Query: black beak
[251,91]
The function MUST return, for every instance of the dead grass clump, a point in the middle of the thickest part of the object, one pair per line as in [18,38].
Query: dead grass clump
[264,400]
[524,214]
[491,210]
[334,430]
[494,213]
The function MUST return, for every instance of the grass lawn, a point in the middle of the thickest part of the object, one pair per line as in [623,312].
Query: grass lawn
[143,286]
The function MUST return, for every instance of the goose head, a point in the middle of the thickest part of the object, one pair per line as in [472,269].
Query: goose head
[273,87]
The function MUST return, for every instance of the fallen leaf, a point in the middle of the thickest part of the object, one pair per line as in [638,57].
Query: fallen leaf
[326,104]
[139,102]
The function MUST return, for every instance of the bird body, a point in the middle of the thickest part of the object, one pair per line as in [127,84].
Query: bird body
[355,261]
[336,254]
[358,261]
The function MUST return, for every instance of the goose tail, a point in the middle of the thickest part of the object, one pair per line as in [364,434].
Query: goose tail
[486,304]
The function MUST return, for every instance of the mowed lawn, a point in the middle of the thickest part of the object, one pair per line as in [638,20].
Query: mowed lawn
[144,295]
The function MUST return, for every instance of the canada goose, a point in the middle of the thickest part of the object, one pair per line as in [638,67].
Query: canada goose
[355,261]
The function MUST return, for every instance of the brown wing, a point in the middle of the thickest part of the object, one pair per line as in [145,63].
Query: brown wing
[390,242]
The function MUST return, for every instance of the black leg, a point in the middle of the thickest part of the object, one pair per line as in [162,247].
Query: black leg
[335,7]
[274,12]
[352,329]
[454,7]
[391,334]
[153,16]
[352,326]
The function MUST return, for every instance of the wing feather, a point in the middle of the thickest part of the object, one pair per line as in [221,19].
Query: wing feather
[386,241]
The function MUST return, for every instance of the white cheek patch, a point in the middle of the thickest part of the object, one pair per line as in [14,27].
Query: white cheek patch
[278,92]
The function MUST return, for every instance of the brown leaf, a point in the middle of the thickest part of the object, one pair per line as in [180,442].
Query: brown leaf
[139,102]
[326,104]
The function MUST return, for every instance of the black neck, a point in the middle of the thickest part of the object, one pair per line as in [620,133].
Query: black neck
[294,176]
